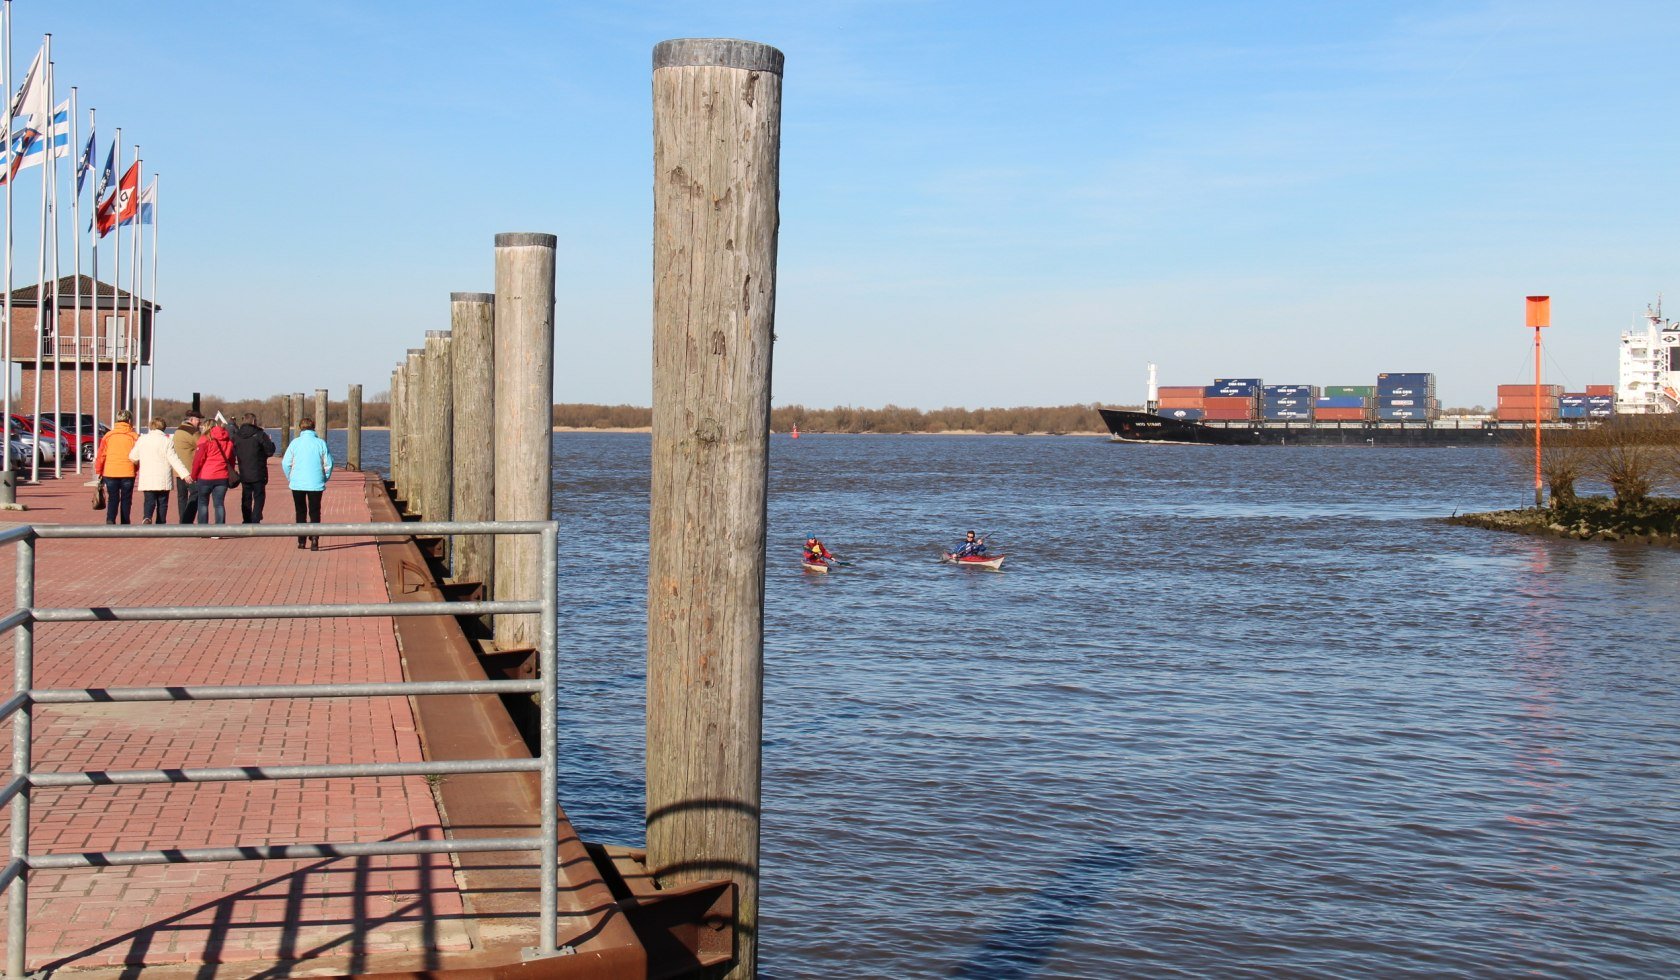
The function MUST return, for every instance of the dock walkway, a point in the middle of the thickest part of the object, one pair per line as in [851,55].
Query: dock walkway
[344,910]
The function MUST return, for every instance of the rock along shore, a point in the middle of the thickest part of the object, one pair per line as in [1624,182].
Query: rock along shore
[1596,522]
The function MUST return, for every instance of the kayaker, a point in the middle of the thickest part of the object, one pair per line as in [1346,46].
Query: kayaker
[970,546]
[816,553]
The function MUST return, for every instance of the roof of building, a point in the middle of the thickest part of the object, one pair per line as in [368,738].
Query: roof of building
[26,295]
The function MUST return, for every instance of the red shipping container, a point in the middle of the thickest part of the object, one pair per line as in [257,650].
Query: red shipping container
[1228,403]
[1228,415]
[1527,401]
[1166,402]
[1601,389]
[1179,391]
[1506,414]
[1528,390]
[1341,414]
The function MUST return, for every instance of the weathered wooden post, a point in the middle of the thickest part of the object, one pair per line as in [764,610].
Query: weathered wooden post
[286,422]
[414,436]
[473,384]
[353,429]
[321,426]
[524,358]
[716,161]
[395,424]
[440,430]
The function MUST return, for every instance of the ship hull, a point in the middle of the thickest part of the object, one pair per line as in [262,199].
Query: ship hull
[1142,427]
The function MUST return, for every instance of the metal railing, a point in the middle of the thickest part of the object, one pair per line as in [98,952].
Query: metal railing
[19,709]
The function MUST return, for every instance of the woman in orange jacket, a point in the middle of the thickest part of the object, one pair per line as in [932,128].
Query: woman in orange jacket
[115,468]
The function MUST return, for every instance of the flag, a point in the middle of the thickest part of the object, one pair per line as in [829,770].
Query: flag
[55,139]
[120,206]
[23,142]
[105,177]
[148,197]
[84,164]
[30,93]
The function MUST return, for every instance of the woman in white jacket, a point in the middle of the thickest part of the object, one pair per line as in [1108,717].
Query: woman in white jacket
[154,454]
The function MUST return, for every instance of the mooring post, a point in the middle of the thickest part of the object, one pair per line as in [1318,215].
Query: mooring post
[398,425]
[440,430]
[524,358]
[321,426]
[716,160]
[286,422]
[414,436]
[353,429]
[473,383]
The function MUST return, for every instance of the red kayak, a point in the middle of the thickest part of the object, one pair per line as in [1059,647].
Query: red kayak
[993,562]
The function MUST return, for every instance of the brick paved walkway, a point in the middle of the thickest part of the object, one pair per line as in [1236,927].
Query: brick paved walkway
[235,911]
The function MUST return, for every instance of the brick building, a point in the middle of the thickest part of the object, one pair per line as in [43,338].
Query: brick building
[117,349]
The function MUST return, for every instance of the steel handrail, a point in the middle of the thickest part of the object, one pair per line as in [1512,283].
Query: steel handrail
[18,710]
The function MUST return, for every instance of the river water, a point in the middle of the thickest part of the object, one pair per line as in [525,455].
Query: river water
[1225,712]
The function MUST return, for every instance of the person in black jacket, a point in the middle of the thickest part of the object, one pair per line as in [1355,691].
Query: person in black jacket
[252,447]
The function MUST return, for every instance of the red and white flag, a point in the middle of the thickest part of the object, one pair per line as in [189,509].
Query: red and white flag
[121,205]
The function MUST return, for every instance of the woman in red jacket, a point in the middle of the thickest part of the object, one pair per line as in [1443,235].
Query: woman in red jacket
[211,464]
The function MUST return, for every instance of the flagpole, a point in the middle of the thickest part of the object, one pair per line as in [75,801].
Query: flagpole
[6,340]
[57,291]
[116,277]
[151,372]
[132,403]
[76,261]
[41,266]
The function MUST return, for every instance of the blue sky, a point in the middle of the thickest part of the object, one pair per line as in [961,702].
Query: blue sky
[982,204]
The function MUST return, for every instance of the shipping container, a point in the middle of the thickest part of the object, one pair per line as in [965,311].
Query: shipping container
[1528,389]
[1572,401]
[1599,412]
[1279,391]
[1601,401]
[1179,391]
[1403,414]
[1418,378]
[1572,412]
[1287,402]
[1342,401]
[1601,389]
[1384,401]
[1288,415]
[1231,404]
[1350,391]
[1250,382]
[1518,414]
[1404,391]
[1230,390]
[1187,414]
[1341,414]
[1195,402]
[1527,401]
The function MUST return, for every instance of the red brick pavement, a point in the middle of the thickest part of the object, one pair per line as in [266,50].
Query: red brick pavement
[234,911]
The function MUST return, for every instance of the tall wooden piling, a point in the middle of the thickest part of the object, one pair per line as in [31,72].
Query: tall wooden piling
[524,376]
[440,429]
[716,159]
[473,357]
[399,425]
[321,425]
[353,429]
[414,435]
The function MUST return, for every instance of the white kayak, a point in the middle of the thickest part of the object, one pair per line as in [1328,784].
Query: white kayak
[993,562]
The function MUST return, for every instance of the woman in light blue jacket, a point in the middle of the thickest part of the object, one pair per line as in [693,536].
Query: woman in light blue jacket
[307,465]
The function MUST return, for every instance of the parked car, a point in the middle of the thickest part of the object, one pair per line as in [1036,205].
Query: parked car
[26,445]
[84,442]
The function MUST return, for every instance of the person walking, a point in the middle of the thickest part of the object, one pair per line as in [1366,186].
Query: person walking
[252,447]
[113,466]
[211,465]
[159,467]
[185,440]
[307,465]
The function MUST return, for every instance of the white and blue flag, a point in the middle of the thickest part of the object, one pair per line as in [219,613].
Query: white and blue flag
[56,139]
[84,164]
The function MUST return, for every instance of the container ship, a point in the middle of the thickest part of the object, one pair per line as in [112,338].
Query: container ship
[1400,409]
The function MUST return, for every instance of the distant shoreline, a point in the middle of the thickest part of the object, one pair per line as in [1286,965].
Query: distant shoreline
[947,432]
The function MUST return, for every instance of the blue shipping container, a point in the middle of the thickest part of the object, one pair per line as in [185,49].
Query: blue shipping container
[1341,401]
[1572,401]
[1414,378]
[1572,412]
[1387,402]
[1403,414]
[1288,414]
[1596,412]
[1271,402]
[1251,382]
[1404,391]
[1281,390]
[1230,391]
[1601,401]
[1187,414]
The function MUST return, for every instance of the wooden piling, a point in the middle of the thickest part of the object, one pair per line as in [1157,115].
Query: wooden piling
[353,429]
[473,357]
[399,425]
[716,148]
[414,439]
[440,429]
[321,426]
[524,375]
[287,423]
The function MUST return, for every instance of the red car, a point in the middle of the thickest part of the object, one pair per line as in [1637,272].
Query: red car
[54,441]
